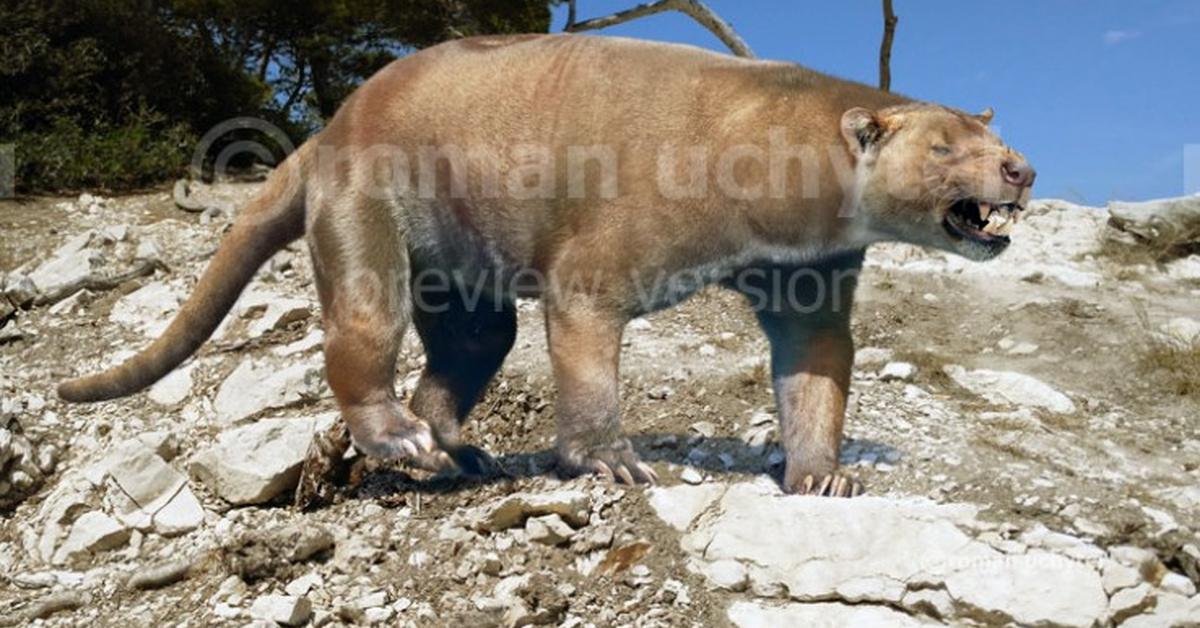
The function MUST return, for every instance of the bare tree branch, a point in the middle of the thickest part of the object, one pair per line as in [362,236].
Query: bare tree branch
[570,16]
[885,48]
[694,9]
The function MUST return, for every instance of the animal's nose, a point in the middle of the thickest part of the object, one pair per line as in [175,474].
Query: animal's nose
[1018,172]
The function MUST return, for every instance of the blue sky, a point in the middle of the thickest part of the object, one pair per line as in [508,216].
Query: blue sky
[1103,96]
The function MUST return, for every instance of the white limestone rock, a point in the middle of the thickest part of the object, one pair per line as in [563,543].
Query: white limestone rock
[92,532]
[255,463]
[1010,388]
[255,386]
[285,610]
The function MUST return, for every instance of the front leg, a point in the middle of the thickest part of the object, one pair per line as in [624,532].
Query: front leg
[585,344]
[811,376]
[807,322]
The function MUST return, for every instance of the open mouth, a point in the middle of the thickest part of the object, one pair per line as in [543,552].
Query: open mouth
[983,222]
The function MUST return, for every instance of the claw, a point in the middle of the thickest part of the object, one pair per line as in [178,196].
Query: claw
[839,486]
[824,486]
[409,448]
[603,469]
[625,475]
[648,472]
[808,485]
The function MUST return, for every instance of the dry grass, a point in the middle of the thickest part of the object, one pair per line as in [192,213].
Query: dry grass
[1173,361]
[929,367]
[1124,249]
[1176,363]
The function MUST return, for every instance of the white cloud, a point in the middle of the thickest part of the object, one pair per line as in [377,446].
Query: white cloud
[1114,37]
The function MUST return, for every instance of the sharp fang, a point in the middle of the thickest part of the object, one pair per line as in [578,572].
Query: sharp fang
[984,210]
[998,223]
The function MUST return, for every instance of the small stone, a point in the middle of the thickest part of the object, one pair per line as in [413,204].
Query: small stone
[897,372]
[378,615]
[639,324]
[1115,576]
[704,428]
[1131,556]
[91,532]
[572,505]
[172,389]
[592,538]
[1129,602]
[1177,584]
[287,610]
[147,249]
[491,565]
[871,356]
[302,585]
[691,476]
[548,530]
[660,393]
[1023,348]
[161,443]
[255,463]
[375,599]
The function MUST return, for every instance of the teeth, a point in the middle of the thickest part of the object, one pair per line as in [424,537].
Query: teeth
[999,229]
[984,210]
[1000,220]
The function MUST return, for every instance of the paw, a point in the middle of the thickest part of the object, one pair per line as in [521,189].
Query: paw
[825,485]
[616,461]
[469,460]
[395,439]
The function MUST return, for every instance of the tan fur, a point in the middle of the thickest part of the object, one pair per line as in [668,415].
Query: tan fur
[848,165]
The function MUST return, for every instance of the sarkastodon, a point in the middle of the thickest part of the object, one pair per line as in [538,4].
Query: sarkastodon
[609,178]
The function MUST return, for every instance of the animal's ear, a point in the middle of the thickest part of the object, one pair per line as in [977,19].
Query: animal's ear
[862,129]
[985,116]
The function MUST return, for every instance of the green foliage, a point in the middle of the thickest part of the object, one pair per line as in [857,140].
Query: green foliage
[147,149]
[112,93]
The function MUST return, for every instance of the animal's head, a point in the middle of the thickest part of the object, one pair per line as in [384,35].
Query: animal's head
[937,177]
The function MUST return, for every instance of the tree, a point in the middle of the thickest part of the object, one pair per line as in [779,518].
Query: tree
[313,53]
[113,93]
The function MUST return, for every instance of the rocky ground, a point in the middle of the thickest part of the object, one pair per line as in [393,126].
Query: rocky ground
[1030,456]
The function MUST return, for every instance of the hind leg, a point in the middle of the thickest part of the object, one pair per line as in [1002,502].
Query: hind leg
[362,277]
[465,343]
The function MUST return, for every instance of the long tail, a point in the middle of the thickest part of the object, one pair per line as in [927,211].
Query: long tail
[273,219]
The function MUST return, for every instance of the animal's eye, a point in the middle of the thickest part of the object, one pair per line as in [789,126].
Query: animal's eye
[941,149]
